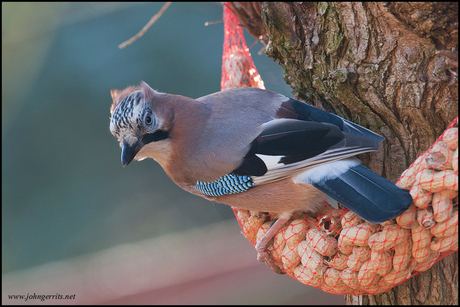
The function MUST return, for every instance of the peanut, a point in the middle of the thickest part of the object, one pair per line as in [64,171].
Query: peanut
[448,227]
[251,227]
[407,178]
[442,205]
[450,137]
[353,263]
[290,258]
[278,246]
[367,274]
[349,277]
[420,253]
[439,157]
[381,262]
[420,197]
[428,263]
[295,233]
[444,244]
[338,262]
[332,278]
[243,215]
[421,237]
[357,235]
[344,248]
[324,244]
[388,237]
[307,277]
[394,277]
[436,181]
[403,255]
[311,259]
[407,218]
[425,217]
[388,223]
[363,253]
[351,219]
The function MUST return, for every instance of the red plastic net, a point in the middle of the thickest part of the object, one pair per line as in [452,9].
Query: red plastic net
[340,253]
[238,69]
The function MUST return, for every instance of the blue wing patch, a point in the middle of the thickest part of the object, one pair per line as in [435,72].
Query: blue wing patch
[228,184]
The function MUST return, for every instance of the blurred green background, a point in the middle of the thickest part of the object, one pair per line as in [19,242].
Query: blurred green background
[64,191]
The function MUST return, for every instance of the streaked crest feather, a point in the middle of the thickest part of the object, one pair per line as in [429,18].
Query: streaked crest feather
[118,96]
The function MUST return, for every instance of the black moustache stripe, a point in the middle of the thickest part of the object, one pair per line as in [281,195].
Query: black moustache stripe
[155,137]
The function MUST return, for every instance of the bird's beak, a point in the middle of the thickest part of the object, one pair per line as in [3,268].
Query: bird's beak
[128,152]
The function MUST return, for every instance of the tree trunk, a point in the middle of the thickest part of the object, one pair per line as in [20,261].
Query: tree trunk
[375,64]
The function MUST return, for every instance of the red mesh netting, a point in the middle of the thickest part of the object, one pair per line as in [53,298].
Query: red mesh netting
[340,253]
[238,69]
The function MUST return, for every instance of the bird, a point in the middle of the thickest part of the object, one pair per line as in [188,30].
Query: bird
[255,149]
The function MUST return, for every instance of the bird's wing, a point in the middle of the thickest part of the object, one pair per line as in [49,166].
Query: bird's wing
[295,109]
[372,197]
[301,137]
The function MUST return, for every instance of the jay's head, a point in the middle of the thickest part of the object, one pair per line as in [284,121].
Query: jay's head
[140,122]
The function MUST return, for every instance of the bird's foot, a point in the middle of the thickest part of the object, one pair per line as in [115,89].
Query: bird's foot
[262,245]
[263,255]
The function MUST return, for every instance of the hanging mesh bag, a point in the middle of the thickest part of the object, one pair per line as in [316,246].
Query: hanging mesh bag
[238,69]
[340,253]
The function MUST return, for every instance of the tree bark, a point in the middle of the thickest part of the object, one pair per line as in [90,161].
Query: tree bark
[379,65]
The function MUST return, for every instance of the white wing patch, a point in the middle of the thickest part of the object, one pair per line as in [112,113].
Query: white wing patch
[326,171]
[277,171]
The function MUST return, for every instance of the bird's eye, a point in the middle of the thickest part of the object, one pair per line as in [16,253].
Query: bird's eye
[148,120]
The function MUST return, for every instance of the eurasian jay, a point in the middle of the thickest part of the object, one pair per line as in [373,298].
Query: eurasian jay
[255,149]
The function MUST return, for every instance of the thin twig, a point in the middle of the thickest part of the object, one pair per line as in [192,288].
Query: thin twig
[262,50]
[146,27]
[253,44]
[207,23]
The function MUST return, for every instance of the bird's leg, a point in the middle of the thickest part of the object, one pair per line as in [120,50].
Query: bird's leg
[262,245]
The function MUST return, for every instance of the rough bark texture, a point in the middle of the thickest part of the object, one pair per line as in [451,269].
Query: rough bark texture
[375,64]
[360,61]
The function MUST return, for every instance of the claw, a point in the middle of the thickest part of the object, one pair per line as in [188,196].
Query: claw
[262,245]
[264,256]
